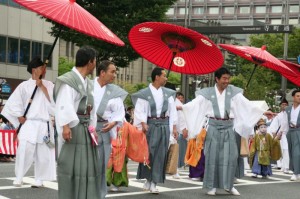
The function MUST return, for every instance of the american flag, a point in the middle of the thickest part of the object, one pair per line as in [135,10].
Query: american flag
[7,144]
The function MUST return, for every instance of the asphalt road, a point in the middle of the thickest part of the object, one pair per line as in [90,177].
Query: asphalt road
[276,187]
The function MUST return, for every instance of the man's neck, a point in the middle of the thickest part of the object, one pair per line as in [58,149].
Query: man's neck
[82,71]
[156,85]
[101,82]
[295,105]
[220,89]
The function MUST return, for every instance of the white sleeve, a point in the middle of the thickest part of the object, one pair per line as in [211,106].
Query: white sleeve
[172,113]
[141,112]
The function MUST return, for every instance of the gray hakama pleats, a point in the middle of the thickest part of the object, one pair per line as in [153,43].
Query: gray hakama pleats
[158,137]
[293,138]
[78,165]
[104,147]
[221,155]
[182,150]
[240,173]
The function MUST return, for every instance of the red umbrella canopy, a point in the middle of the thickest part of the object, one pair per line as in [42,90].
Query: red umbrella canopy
[175,48]
[72,15]
[258,56]
[295,79]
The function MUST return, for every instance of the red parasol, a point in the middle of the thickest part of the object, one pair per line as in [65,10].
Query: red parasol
[72,15]
[295,79]
[175,48]
[259,56]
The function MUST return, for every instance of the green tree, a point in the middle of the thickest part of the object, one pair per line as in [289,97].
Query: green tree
[64,65]
[119,16]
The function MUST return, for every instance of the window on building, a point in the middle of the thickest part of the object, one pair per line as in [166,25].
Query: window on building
[244,10]
[198,10]
[36,49]
[2,49]
[199,0]
[260,9]
[46,51]
[276,21]
[229,10]
[3,2]
[293,21]
[276,9]
[13,4]
[170,11]
[294,8]
[213,10]
[261,20]
[13,50]
[24,52]
[213,0]
[182,11]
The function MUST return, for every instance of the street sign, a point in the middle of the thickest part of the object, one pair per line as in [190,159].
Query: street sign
[298,58]
[243,29]
[5,88]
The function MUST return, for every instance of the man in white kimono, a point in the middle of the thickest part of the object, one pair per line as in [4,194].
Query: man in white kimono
[279,127]
[293,134]
[108,114]
[35,125]
[227,111]
[155,114]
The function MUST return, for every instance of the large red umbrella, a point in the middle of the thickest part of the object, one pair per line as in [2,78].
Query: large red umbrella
[175,48]
[72,15]
[295,79]
[259,56]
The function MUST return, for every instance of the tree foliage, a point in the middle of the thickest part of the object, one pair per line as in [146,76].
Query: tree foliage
[64,65]
[119,16]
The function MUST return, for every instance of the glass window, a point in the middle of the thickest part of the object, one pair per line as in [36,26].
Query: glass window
[46,51]
[261,20]
[213,10]
[293,21]
[24,52]
[13,46]
[276,9]
[3,2]
[229,10]
[276,21]
[294,9]
[13,4]
[170,11]
[199,0]
[244,10]
[260,9]
[198,10]
[36,49]
[2,49]
[182,11]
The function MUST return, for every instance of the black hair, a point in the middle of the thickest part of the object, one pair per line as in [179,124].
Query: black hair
[221,71]
[84,55]
[156,72]
[34,63]
[179,94]
[295,91]
[103,66]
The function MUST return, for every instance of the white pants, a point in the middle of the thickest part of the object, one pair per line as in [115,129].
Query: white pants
[285,160]
[41,154]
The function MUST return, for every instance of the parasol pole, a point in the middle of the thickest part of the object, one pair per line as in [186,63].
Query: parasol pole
[251,76]
[171,62]
[40,77]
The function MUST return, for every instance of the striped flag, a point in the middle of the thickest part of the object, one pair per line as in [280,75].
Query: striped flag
[7,144]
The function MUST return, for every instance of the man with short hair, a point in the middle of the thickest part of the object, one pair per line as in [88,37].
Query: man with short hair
[78,164]
[107,115]
[35,125]
[227,111]
[155,114]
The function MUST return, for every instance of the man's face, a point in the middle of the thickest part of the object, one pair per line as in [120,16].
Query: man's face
[91,66]
[223,82]
[38,71]
[110,75]
[162,79]
[283,106]
[180,98]
[297,98]
[263,128]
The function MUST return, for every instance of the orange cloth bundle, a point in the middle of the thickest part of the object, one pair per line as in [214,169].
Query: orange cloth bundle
[194,148]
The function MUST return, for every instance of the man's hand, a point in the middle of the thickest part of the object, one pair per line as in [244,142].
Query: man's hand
[185,133]
[108,126]
[145,127]
[175,133]
[67,133]
[178,108]
[39,83]
[22,119]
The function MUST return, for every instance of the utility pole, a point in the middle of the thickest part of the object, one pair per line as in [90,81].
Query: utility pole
[285,47]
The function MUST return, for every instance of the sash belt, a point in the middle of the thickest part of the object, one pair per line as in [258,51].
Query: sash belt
[223,119]
[157,118]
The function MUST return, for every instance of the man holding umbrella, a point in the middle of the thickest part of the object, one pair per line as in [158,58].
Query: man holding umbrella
[227,111]
[78,164]
[35,125]
[155,114]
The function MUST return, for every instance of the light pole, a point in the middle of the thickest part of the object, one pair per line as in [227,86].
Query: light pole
[285,47]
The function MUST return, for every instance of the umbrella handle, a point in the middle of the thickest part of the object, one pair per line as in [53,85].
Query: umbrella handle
[53,45]
[29,104]
[251,76]
[174,53]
